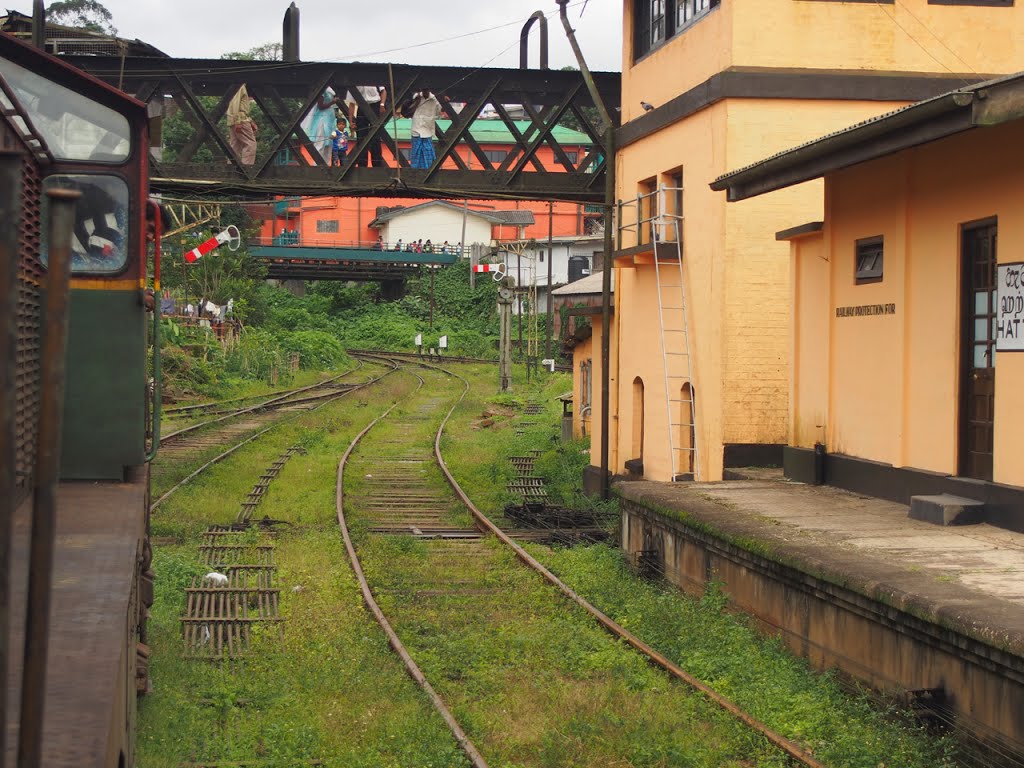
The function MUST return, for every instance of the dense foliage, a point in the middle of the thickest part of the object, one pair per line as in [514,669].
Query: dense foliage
[318,326]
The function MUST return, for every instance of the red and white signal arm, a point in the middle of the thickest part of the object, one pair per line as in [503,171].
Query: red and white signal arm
[488,267]
[231,236]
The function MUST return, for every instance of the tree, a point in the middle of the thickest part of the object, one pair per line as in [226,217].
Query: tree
[265,52]
[591,114]
[89,15]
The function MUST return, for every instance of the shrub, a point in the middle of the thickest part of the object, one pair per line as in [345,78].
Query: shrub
[317,349]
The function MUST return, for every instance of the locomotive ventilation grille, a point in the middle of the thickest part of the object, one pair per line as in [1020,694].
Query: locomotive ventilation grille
[30,280]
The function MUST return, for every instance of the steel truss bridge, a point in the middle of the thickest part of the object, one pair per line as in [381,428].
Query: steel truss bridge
[529,108]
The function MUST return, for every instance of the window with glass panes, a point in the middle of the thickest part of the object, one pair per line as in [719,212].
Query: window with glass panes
[655,21]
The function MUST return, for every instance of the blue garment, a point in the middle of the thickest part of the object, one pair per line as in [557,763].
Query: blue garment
[422,155]
[318,125]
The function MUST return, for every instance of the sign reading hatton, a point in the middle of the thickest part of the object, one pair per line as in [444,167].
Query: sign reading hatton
[1010,308]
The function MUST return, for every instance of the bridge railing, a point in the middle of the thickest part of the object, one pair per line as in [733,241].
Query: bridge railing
[527,133]
[289,237]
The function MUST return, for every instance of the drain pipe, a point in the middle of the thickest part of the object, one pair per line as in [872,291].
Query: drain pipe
[606,277]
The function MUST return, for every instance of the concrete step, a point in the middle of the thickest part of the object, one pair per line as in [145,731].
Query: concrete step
[947,509]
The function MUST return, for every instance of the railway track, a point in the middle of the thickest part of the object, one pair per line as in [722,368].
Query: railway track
[288,399]
[241,426]
[394,484]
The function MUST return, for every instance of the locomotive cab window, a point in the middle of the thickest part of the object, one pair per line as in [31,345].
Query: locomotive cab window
[73,126]
[99,242]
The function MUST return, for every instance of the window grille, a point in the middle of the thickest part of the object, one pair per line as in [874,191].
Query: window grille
[327,226]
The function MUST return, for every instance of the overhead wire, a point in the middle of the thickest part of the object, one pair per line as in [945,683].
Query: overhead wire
[918,43]
[937,38]
[270,66]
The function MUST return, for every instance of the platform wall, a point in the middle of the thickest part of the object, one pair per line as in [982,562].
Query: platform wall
[887,648]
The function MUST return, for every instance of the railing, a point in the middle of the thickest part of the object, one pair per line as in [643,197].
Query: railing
[649,214]
[294,238]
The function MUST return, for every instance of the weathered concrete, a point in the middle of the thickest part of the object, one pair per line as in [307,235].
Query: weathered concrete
[946,509]
[851,582]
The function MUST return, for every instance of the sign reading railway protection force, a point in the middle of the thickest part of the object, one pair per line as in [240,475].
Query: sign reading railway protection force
[1010,308]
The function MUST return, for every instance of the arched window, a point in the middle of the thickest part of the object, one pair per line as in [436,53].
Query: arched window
[637,447]
[687,441]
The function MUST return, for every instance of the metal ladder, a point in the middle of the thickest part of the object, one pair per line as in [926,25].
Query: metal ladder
[671,289]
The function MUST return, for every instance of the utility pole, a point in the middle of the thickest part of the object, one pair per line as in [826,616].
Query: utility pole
[609,204]
[551,258]
[462,243]
[505,294]
[519,298]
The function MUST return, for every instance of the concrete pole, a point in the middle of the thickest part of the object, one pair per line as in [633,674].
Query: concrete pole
[551,258]
[505,295]
[609,205]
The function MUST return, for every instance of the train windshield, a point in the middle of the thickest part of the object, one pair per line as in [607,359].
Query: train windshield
[100,237]
[74,126]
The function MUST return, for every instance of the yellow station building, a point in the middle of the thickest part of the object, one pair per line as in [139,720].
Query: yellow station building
[907,322]
[710,86]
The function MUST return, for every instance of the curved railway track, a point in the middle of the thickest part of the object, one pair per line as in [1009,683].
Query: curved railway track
[284,400]
[400,495]
[240,427]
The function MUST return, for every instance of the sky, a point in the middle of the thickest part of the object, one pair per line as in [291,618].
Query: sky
[375,30]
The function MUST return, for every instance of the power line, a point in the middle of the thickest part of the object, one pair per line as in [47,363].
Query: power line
[939,39]
[270,66]
[892,18]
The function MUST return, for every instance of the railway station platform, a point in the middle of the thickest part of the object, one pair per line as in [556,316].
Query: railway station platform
[931,613]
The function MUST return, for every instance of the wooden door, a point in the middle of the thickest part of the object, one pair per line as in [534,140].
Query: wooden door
[978,372]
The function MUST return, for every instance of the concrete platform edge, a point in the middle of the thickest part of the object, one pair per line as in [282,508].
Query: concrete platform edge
[957,611]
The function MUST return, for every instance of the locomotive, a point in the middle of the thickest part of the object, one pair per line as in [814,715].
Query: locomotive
[78,676]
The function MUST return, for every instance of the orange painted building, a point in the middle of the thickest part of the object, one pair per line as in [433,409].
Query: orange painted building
[907,320]
[345,221]
[710,86]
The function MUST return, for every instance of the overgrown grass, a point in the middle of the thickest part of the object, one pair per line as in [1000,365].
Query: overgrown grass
[172,468]
[532,679]
[331,690]
[719,647]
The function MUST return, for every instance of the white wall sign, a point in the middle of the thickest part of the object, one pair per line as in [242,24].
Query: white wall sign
[443,342]
[419,339]
[1010,308]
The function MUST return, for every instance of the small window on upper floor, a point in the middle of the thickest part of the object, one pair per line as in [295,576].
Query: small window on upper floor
[869,261]
[327,226]
[655,21]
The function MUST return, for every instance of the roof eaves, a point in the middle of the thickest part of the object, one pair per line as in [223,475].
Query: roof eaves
[894,131]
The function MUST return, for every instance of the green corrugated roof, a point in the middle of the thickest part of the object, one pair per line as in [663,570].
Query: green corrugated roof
[496,132]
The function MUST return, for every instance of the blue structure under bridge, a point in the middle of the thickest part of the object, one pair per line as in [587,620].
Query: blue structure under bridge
[287,261]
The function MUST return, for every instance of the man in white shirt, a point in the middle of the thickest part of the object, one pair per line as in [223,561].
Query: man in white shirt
[376,99]
[425,111]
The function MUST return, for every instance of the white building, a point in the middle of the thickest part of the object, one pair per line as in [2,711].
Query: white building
[573,257]
[440,221]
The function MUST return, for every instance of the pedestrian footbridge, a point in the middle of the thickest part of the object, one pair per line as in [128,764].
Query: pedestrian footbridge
[522,133]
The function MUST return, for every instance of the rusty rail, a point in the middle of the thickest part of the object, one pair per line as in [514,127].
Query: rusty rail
[220,457]
[411,667]
[788,746]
